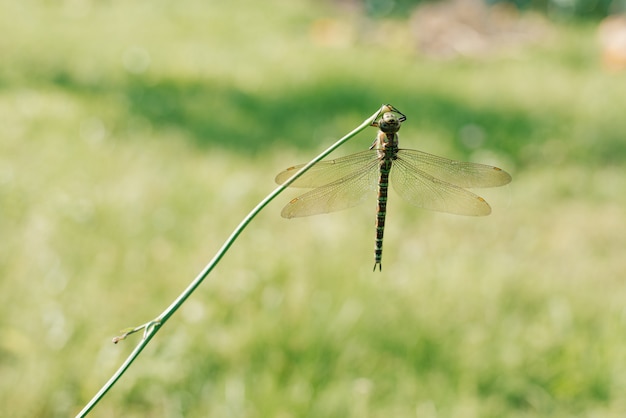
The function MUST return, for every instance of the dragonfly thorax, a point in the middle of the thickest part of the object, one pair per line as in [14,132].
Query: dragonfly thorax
[389,123]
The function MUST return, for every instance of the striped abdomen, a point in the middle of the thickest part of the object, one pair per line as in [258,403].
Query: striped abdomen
[381,212]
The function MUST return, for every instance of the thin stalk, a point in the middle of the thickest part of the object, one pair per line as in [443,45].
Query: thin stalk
[152,327]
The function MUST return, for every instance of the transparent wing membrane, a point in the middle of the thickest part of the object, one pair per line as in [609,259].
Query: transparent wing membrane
[428,192]
[459,173]
[328,171]
[422,179]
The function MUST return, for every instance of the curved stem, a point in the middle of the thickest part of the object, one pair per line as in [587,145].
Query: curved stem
[152,327]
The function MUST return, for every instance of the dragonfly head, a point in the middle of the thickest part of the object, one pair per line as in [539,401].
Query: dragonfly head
[389,123]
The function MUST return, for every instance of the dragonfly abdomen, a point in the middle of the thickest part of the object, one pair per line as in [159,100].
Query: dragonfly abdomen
[381,211]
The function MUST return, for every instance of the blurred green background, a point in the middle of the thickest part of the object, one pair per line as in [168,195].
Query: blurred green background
[134,136]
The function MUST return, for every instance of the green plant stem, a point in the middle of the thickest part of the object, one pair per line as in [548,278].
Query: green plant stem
[152,327]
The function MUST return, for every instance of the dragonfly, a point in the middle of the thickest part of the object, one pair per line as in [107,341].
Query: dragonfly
[424,180]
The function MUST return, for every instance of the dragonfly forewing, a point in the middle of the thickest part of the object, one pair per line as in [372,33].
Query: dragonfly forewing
[429,192]
[458,173]
[346,192]
[326,172]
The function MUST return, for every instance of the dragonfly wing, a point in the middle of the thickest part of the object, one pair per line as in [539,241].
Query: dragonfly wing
[343,193]
[327,171]
[459,173]
[428,192]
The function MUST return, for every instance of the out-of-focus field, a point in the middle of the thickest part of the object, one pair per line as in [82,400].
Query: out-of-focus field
[134,136]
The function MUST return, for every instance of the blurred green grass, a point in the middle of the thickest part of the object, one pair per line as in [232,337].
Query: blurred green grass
[134,137]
